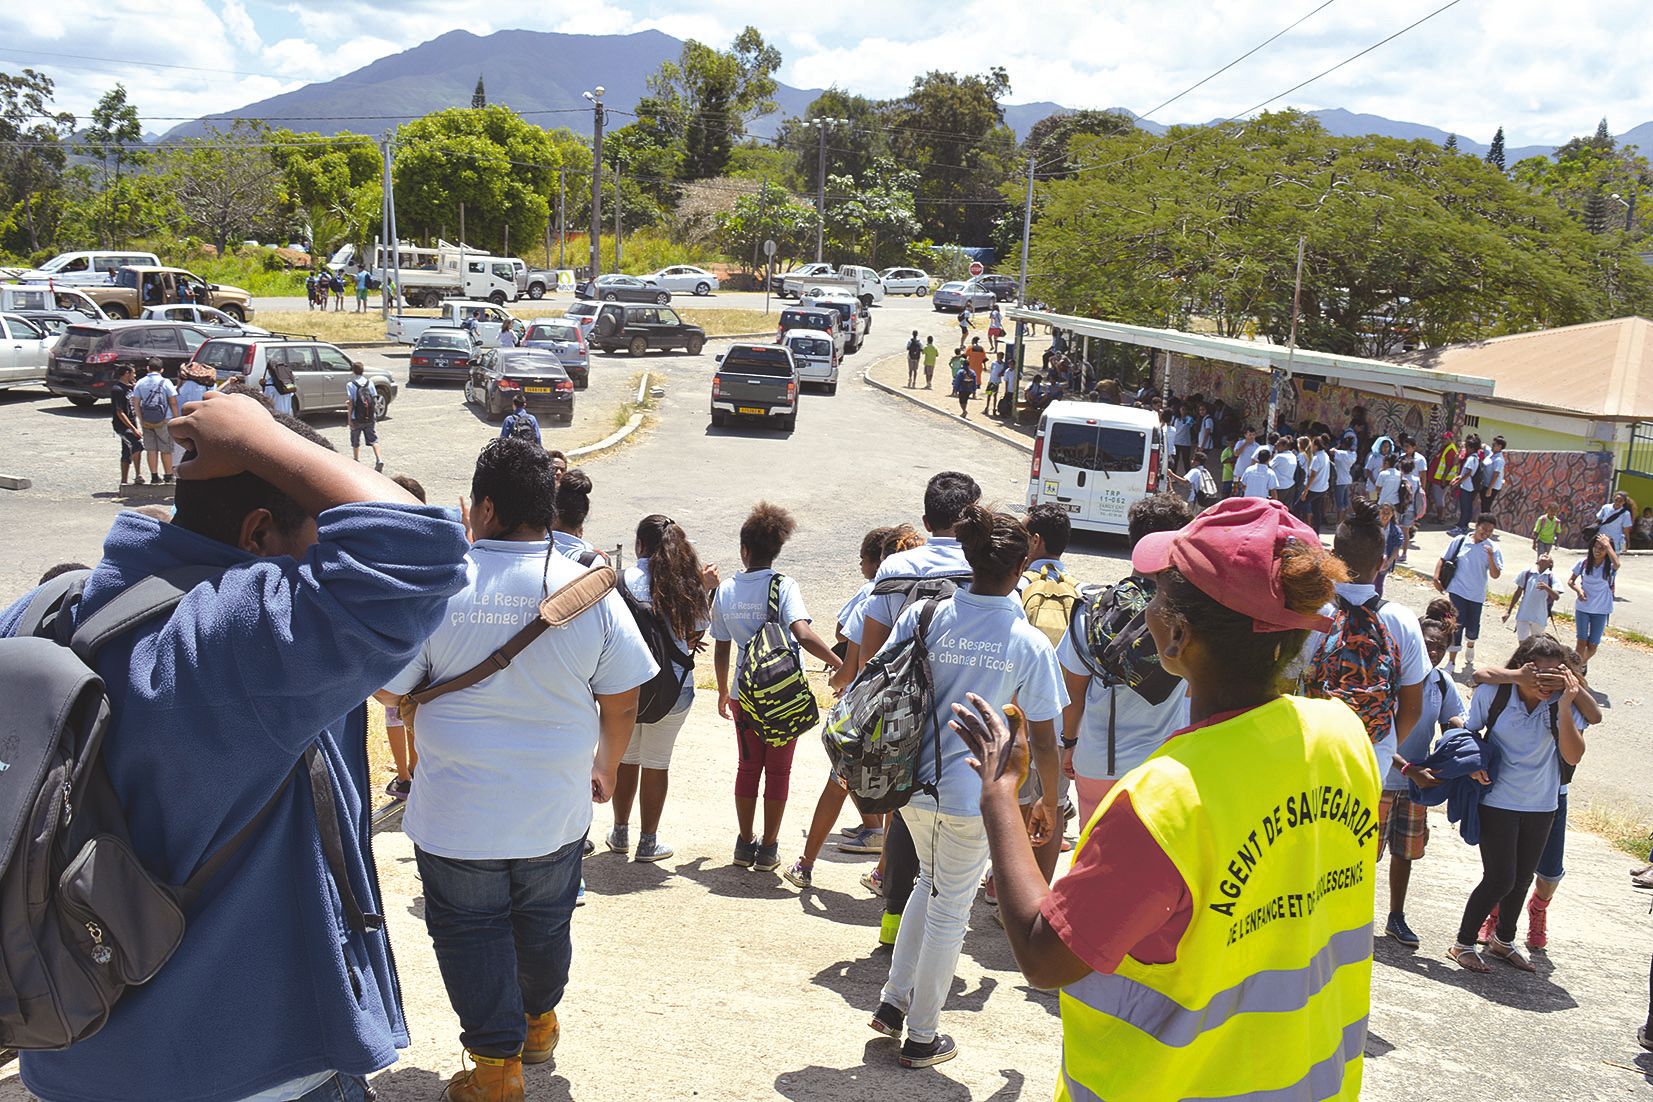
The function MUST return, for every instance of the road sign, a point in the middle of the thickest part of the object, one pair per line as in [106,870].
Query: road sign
[769,247]
[976,268]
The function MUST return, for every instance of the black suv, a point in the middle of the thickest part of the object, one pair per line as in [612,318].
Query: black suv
[83,364]
[1004,287]
[640,328]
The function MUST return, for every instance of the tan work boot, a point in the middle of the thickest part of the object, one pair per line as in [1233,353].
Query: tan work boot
[543,1033]
[493,1079]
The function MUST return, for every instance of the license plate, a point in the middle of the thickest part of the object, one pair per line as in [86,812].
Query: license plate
[753,410]
[537,389]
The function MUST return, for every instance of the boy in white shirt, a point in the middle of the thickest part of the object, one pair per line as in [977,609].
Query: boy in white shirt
[1534,596]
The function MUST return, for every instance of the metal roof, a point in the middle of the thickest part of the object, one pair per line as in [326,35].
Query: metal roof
[1356,371]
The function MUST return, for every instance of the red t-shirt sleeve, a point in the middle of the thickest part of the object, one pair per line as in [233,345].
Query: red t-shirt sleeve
[1122,896]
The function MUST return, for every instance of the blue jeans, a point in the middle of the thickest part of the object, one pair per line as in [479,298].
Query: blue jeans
[1467,500]
[1551,867]
[502,941]
[341,1088]
[1469,619]
[1591,626]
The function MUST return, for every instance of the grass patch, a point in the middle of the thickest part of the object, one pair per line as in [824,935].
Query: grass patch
[1626,829]
[332,326]
[725,323]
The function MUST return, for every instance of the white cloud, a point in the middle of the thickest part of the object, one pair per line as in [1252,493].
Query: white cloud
[239,25]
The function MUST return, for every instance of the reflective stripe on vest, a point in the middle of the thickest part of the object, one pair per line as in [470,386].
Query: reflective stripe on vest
[1271,819]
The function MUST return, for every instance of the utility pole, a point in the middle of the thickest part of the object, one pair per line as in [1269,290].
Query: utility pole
[617,166]
[382,246]
[395,235]
[562,223]
[596,99]
[461,249]
[821,125]
[1280,378]
[1021,296]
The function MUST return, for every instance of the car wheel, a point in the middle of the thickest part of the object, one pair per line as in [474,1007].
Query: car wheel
[696,343]
[719,418]
[922,292]
[116,310]
[815,292]
[703,288]
[536,290]
[84,401]
[381,407]
[663,298]
[470,393]
[789,423]
[234,311]
[866,302]
[610,297]
[832,388]
[497,298]
[638,346]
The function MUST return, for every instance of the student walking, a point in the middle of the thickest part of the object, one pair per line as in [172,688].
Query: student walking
[995,327]
[1546,531]
[1615,519]
[1494,477]
[743,605]
[1592,582]
[931,355]
[980,646]
[1319,484]
[520,423]
[1539,735]
[509,766]
[156,400]
[965,382]
[362,415]
[1139,968]
[1468,476]
[1344,458]
[1462,574]
[914,351]
[976,357]
[964,320]
[670,582]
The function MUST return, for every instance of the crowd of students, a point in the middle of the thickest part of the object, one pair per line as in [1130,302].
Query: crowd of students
[1153,702]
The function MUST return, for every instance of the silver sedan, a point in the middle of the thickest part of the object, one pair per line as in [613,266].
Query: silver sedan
[951,298]
[684,278]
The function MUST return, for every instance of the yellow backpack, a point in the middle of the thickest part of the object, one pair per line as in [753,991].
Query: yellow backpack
[1048,601]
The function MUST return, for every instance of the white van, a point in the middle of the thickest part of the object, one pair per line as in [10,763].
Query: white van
[816,355]
[1095,460]
[89,268]
[39,296]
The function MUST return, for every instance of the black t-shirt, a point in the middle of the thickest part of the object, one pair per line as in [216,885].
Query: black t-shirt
[120,401]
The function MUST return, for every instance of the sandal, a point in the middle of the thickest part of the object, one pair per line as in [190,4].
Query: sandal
[1468,958]
[1509,954]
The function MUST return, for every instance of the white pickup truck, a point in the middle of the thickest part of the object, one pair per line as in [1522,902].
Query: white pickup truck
[851,279]
[405,328]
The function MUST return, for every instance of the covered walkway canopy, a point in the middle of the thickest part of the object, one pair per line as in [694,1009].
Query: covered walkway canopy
[1357,372]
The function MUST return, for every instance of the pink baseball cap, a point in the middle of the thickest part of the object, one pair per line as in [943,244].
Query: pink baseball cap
[1231,552]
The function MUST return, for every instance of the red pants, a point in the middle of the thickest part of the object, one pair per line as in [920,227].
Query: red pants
[757,756]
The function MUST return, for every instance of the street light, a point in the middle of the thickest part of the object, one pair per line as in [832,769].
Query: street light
[820,125]
[596,178]
[1629,210]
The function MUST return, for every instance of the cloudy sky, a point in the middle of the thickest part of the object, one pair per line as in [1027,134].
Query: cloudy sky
[1543,70]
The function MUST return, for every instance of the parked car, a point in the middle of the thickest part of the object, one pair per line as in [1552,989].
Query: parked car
[24,348]
[816,357]
[850,319]
[640,328]
[756,380]
[1095,460]
[83,364]
[41,296]
[141,286]
[905,281]
[1001,287]
[490,319]
[851,279]
[584,315]
[209,318]
[817,318]
[54,323]
[500,374]
[320,371]
[951,297]
[443,352]
[90,268]
[796,274]
[623,288]
[563,339]
[685,278]
[541,282]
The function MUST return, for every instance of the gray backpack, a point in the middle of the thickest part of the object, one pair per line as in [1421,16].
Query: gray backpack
[81,919]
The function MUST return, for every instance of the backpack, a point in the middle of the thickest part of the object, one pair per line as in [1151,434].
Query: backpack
[153,406]
[1483,476]
[658,695]
[1114,643]
[522,428]
[773,692]
[1205,492]
[1449,561]
[914,349]
[84,920]
[1048,602]
[874,734]
[1358,662]
[361,401]
[1300,475]
[1501,699]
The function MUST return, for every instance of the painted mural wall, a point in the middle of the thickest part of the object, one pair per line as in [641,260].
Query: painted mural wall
[1577,483]
[1306,399]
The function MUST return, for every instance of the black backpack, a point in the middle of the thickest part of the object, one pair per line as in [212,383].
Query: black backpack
[1483,475]
[918,587]
[361,401]
[1114,642]
[658,694]
[522,428]
[874,735]
[1449,560]
[81,919]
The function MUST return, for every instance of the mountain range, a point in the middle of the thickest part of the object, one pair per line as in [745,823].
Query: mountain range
[542,75]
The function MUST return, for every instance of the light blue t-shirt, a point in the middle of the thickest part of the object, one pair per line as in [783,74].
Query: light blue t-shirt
[1139,728]
[190,391]
[1529,771]
[1258,480]
[1535,603]
[741,607]
[1441,704]
[852,607]
[505,766]
[981,645]
[570,546]
[639,579]
[1474,562]
[1597,586]
[941,557]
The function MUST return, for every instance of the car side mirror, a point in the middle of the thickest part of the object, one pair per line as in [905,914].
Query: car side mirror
[720,357]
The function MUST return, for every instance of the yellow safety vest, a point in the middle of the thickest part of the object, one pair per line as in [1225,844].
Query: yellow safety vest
[1271,818]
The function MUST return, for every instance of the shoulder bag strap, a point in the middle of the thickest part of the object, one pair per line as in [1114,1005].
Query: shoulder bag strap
[773,615]
[1500,701]
[135,604]
[556,610]
[51,598]
[1113,697]
[926,614]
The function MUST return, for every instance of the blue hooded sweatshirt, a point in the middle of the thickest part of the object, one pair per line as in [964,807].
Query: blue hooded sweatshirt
[213,707]
[1458,754]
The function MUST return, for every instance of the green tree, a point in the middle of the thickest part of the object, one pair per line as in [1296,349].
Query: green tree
[1603,138]
[874,218]
[705,97]
[950,130]
[32,153]
[479,97]
[1451,145]
[1047,143]
[768,214]
[227,183]
[851,147]
[1495,152]
[1583,173]
[110,138]
[1595,212]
